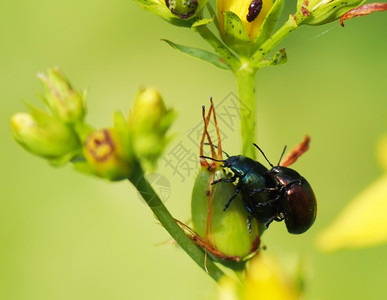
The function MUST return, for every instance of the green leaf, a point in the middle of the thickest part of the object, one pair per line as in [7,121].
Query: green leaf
[279,58]
[269,23]
[235,35]
[202,22]
[201,54]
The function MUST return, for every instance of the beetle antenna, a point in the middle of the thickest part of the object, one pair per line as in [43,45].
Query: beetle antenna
[282,155]
[228,156]
[264,155]
[218,160]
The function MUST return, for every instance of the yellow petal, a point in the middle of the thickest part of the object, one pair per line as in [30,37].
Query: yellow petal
[362,224]
[265,280]
[382,152]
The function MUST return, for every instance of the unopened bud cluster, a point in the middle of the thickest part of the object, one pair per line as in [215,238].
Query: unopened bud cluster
[61,135]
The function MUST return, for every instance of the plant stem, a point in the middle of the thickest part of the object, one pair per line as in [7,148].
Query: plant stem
[246,90]
[273,41]
[245,76]
[169,223]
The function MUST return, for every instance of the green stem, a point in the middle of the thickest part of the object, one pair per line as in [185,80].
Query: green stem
[246,90]
[169,223]
[273,41]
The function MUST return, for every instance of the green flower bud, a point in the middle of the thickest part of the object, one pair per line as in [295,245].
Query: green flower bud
[64,102]
[177,12]
[227,231]
[149,122]
[318,12]
[45,136]
[106,156]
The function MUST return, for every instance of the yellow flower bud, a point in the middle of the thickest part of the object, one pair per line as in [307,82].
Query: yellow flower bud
[45,136]
[106,156]
[149,122]
[64,102]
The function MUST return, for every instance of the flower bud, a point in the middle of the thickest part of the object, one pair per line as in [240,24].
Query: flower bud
[45,136]
[149,122]
[177,12]
[64,102]
[318,12]
[106,156]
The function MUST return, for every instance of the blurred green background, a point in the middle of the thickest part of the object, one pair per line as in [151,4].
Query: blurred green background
[64,235]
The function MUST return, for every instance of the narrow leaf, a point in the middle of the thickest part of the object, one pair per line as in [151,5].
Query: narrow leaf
[201,54]
[201,22]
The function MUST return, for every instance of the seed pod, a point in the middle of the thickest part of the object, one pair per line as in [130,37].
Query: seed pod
[225,231]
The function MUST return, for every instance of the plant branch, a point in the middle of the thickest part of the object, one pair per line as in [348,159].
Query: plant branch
[273,41]
[168,222]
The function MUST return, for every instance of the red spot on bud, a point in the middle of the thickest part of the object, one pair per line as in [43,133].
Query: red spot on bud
[305,12]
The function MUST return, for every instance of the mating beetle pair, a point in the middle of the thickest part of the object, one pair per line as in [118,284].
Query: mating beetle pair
[271,195]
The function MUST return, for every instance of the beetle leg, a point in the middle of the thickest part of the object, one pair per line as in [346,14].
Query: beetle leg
[277,218]
[232,179]
[249,224]
[264,204]
[231,198]
[260,190]
[269,222]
